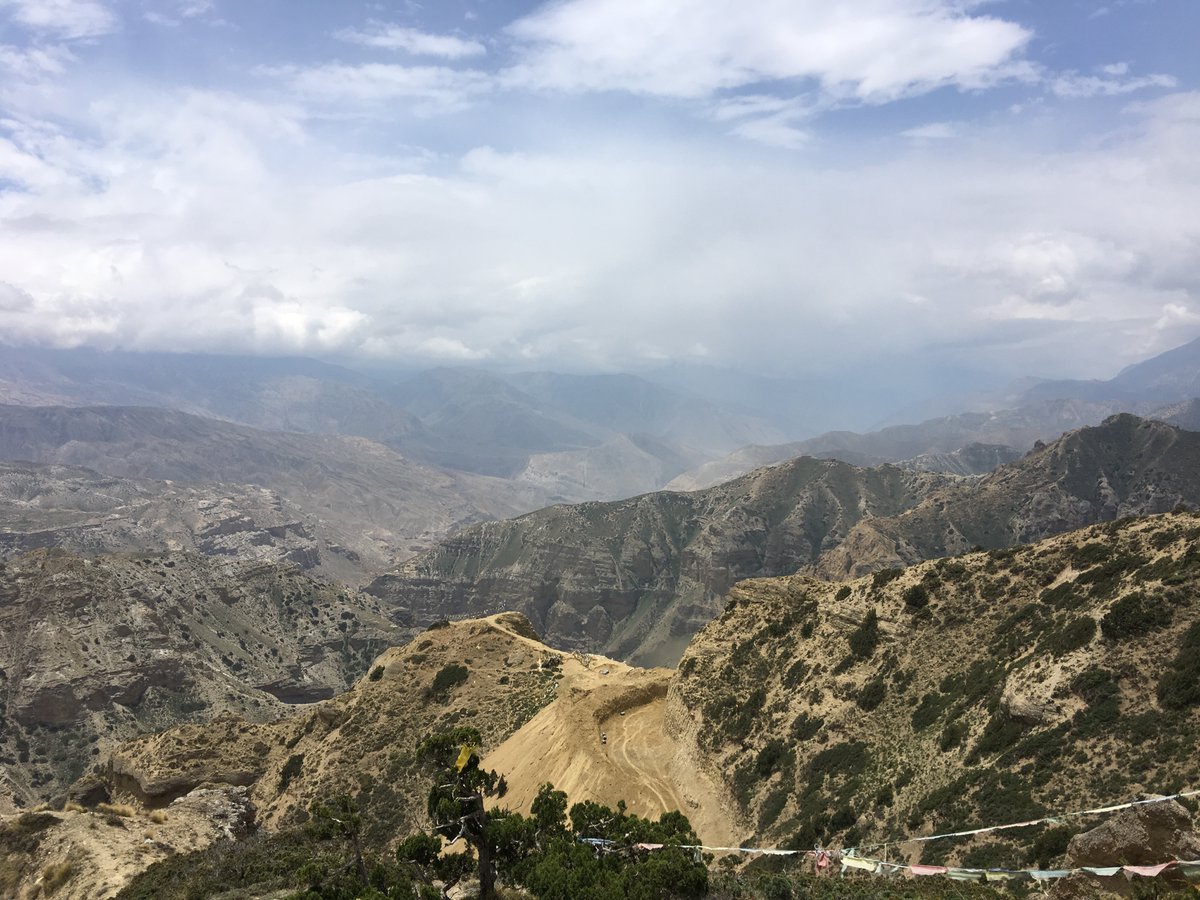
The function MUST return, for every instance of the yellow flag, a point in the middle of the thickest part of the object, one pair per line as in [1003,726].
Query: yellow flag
[464,757]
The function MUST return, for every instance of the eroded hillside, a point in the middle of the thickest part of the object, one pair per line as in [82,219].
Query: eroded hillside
[95,650]
[989,688]
[200,782]
[636,578]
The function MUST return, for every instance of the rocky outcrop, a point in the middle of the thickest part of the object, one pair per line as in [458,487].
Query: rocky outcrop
[1140,836]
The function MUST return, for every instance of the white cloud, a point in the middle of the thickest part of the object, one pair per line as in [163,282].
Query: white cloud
[432,89]
[1072,85]
[66,19]
[933,131]
[411,40]
[868,50]
[35,62]
[200,221]
[173,13]
[774,131]
[1119,68]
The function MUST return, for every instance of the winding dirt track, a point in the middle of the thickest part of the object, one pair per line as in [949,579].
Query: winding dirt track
[639,763]
[637,747]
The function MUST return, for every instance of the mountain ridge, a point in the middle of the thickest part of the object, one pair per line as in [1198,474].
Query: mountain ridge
[638,577]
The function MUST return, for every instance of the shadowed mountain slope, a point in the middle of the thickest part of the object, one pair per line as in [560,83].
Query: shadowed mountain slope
[1126,466]
[1185,414]
[636,578]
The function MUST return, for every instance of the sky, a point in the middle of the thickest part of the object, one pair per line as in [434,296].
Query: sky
[783,187]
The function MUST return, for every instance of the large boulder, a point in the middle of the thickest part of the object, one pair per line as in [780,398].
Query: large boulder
[1141,836]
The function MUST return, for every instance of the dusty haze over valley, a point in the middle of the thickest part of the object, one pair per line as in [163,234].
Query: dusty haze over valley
[595,449]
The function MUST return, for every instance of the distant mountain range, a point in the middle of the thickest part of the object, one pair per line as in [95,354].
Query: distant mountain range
[1161,387]
[358,495]
[636,578]
[574,437]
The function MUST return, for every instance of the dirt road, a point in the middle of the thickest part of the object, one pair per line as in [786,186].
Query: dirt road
[638,763]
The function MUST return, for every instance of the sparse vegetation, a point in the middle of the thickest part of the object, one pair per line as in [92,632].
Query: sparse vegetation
[124,810]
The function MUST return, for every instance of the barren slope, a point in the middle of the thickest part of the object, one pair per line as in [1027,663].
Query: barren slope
[604,738]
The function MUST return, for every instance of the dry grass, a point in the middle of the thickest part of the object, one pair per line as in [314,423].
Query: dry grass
[116,809]
[72,806]
[55,876]
[158,817]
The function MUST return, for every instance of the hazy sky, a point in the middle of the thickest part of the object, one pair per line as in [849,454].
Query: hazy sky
[781,185]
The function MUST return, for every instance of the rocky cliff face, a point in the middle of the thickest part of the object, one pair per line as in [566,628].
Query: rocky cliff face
[638,577]
[96,650]
[984,689]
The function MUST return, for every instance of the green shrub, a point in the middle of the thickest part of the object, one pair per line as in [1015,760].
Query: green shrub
[864,639]
[952,735]
[1077,632]
[291,769]
[1062,597]
[1106,579]
[1133,616]
[773,757]
[1088,555]
[929,710]
[772,806]
[1000,733]
[449,676]
[1179,686]
[850,758]
[885,576]
[916,597]
[1050,845]
[795,673]
[376,673]
[872,694]
[842,593]
[806,727]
